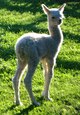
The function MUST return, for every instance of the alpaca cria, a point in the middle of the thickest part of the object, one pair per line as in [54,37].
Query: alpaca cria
[32,47]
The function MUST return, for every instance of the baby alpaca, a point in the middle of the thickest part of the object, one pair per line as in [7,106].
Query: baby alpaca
[32,47]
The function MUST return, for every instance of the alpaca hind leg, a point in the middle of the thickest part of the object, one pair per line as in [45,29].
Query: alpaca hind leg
[28,81]
[16,81]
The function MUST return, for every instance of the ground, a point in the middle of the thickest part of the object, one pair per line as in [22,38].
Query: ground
[22,16]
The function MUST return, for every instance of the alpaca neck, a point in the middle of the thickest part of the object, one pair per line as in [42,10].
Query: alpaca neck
[55,32]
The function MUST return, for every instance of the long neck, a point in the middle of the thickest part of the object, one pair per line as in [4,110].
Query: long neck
[56,32]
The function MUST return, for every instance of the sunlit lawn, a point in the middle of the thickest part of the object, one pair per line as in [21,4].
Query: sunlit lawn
[19,17]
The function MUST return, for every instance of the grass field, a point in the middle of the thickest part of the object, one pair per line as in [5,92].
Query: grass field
[22,16]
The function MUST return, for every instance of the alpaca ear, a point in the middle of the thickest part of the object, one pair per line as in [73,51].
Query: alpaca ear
[61,9]
[45,9]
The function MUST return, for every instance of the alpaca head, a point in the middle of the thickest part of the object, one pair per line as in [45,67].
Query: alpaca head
[54,15]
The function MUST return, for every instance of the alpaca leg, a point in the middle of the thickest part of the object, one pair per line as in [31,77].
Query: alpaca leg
[16,82]
[28,81]
[48,64]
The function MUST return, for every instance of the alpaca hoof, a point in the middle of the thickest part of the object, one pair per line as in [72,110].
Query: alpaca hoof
[19,103]
[48,99]
[36,103]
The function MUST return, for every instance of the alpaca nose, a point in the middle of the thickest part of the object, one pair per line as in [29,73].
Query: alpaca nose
[59,21]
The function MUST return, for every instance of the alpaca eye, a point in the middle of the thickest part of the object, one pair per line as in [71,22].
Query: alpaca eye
[53,17]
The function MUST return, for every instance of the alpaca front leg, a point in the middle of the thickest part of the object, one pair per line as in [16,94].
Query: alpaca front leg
[48,75]
[45,93]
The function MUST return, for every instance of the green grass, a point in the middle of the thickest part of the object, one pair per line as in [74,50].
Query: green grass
[21,16]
